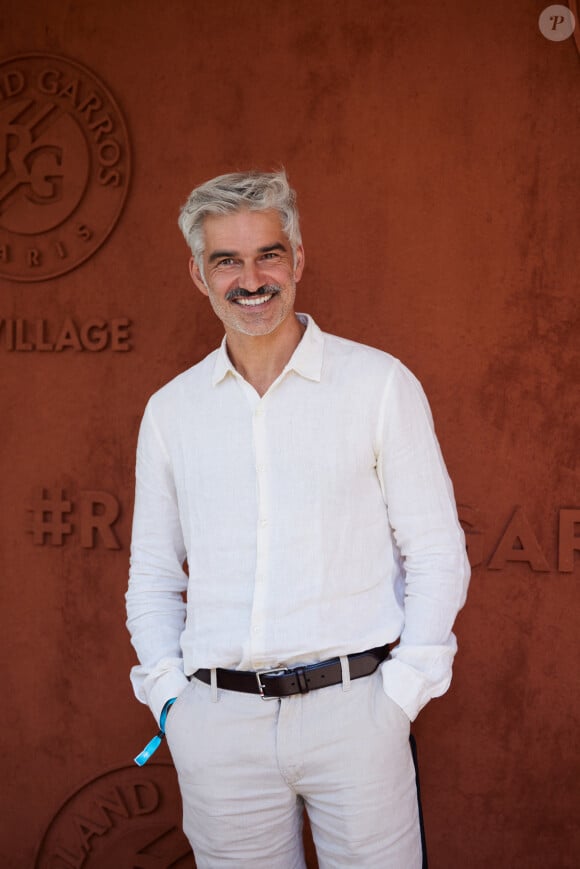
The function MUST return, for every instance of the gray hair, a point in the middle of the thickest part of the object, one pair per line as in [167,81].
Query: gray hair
[256,191]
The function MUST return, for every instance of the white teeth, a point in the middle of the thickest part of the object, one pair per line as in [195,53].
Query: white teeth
[253,302]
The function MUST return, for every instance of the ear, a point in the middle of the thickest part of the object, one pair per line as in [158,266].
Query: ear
[196,277]
[299,263]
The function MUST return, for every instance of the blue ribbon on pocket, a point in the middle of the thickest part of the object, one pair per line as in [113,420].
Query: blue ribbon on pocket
[154,743]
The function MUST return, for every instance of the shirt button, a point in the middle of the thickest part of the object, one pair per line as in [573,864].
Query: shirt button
[259,411]
[260,469]
[263,522]
[256,629]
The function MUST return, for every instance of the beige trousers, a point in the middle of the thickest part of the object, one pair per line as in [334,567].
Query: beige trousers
[247,767]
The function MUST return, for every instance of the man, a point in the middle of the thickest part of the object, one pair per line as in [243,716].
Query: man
[299,475]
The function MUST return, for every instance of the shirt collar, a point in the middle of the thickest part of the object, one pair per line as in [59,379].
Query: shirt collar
[306,359]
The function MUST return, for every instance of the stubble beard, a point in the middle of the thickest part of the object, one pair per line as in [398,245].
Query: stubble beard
[227,313]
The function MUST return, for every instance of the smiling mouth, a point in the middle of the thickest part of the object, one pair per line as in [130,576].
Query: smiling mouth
[255,302]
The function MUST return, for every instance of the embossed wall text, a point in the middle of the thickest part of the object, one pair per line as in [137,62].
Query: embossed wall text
[45,335]
[126,817]
[54,518]
[519,543]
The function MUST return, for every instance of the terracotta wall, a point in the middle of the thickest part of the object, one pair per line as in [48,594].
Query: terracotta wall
[434,146]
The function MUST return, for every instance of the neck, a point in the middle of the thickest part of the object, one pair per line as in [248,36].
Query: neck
[260,359]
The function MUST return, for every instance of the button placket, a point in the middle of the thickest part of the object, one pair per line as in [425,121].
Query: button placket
[258,617]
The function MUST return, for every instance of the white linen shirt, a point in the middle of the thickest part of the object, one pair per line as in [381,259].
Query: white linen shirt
[316,521]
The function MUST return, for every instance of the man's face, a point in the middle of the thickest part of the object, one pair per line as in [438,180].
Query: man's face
[250,273]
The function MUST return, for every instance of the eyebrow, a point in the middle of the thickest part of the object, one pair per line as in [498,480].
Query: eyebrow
[218,254]
[271,247]
[226,254]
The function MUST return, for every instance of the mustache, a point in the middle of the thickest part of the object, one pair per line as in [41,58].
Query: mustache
[264,290]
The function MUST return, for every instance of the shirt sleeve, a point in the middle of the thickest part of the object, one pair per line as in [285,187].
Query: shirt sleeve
[422,513]
[157,580]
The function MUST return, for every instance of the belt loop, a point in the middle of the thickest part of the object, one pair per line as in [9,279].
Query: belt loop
[213,685]
[345,671]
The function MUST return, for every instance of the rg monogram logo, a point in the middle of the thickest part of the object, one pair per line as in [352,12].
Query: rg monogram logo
[64,166]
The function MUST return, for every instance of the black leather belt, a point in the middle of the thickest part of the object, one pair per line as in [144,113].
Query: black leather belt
[282,681]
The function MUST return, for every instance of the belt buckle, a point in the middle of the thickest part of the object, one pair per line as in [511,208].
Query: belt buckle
[276,672]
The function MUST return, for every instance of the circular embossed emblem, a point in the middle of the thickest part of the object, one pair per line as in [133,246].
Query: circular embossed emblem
[128,818]
[64,166]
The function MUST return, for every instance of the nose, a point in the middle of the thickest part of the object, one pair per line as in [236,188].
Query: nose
[250,278]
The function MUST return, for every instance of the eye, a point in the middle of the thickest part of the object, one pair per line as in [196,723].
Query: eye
[271,255]
[227,261]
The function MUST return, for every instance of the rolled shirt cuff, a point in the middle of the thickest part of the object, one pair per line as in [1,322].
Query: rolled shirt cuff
[158,689]
[412,688]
